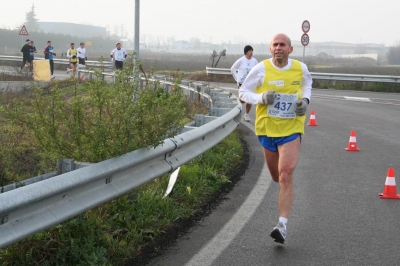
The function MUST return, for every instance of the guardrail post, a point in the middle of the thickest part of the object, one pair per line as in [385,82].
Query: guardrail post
[65,166]
[141,84]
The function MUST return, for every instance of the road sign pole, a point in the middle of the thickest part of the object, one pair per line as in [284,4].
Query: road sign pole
[305,39]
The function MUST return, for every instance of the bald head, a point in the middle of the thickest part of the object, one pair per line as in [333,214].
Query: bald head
[284,36]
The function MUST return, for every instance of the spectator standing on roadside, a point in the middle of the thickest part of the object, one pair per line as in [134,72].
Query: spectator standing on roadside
[72,55]
[240,69]
[82,54]
[281,88]
[26,50]
[118,54]
[48,54]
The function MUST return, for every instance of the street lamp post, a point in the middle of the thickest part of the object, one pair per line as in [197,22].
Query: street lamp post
[137,13]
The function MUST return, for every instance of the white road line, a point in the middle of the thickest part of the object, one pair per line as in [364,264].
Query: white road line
[361,99]
[227,234]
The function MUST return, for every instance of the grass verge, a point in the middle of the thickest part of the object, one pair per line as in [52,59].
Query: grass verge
[135,227]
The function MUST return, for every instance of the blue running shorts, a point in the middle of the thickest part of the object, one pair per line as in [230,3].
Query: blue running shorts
[271,143]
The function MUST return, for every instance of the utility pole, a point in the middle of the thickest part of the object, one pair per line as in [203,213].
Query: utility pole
[137,19]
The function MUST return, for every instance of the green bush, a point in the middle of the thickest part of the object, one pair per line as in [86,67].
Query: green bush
[95,121]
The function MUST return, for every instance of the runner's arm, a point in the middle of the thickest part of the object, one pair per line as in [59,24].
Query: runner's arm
[234,69]
[306,83]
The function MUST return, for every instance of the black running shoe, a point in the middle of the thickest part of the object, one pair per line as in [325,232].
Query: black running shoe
[279,233]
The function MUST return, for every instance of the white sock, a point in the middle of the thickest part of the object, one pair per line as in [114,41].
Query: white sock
[283,220]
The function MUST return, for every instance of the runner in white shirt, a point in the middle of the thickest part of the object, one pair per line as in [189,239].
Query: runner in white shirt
[239,71]
[118,55]
[82,54]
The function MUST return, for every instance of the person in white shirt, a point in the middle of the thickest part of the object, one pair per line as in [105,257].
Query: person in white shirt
[281,88]
[118,54]
[82,54]
[240,69]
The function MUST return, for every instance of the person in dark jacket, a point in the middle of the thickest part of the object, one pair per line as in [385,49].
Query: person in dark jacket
[26,54]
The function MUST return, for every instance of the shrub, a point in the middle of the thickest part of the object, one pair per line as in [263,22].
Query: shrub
[95,121]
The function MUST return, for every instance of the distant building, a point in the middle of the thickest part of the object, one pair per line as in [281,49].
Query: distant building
[181,45]
[373,56]
[72,29]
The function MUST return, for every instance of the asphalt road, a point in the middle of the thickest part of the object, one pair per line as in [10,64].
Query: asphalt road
[337,217]
[59,74]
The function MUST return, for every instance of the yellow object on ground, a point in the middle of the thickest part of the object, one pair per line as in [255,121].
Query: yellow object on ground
[41,70]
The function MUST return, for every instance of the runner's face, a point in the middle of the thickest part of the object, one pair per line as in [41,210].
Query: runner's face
[249,54]
[72,46]
[280,47]
[82,45]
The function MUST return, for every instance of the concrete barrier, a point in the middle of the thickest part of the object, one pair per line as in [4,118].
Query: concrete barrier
[18,86]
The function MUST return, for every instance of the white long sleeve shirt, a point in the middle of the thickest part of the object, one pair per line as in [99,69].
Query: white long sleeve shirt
[241,68]
[81,52]
[119,55]
[256,78]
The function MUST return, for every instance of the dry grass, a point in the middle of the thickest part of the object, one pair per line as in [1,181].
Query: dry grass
[15,76]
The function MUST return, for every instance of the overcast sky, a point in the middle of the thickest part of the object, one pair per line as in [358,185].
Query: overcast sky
[216,21]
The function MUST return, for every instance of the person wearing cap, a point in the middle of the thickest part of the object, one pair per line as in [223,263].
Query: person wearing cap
[48,54]
[240,69]
[281,88]
[118,54]
[72,55]
[26,54]
[82,54]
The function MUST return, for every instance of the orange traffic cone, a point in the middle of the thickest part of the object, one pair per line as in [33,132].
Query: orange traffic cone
[352,142]
[313,121]
[389,191]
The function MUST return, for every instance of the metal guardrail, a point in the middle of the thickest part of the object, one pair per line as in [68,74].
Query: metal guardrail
[327,76]
[63,166]
[35,207]
[106,64]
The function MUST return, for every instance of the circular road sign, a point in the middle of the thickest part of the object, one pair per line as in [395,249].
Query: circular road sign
[305,40]
[305,26]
